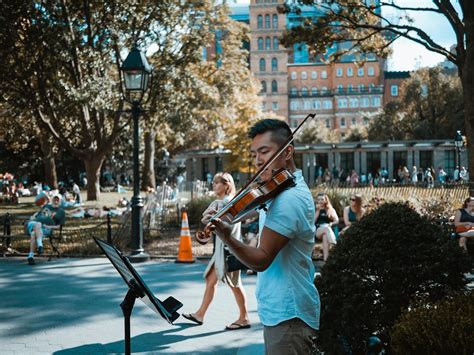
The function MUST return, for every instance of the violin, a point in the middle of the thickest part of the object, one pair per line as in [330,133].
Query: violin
[249,200]
[254,194]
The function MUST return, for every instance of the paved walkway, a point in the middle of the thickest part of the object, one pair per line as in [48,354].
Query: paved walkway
[71,306]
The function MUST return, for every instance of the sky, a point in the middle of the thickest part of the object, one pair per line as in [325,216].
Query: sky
[408,55]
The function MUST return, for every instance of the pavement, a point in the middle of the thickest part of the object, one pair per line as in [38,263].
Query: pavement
[72,306]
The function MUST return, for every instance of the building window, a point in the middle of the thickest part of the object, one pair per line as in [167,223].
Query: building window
[268,44]
[449,161]
[274,105]
[328,123]
[274,86]
[264,105]
[371,87]
[294,91]
[360,72]
[373,162]
[324,90]
[316,104]
[424,90]
[366,121]
[365,102]
[350,88]
[324,74]
[314,75]
[275,21]
[327,104]
[350,71]
[264,86]
[347,161]
[342,103]
[304,91]
[275,42]
[376,101]
[394,90]
[262,64]
[267,21]
[353,102]
[294,106]
[426,159]
[339,72]
[343,122]
[303,75]
[361,88]
[353,121]
[259,21]
[314,91]
[371,71]
[260,43]
[307,104]
[274,64]
[294,76]
[340,88]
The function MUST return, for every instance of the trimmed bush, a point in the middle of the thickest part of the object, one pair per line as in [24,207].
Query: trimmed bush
[444,327]
[391,257]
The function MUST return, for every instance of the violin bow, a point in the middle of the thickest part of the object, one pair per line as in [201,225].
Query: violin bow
[263,167]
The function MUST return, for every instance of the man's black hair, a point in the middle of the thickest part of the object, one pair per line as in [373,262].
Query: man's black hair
[280,130]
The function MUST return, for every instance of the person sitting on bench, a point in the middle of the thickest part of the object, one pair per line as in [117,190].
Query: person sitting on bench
[50,216]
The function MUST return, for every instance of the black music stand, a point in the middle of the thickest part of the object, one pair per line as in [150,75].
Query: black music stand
[137,289]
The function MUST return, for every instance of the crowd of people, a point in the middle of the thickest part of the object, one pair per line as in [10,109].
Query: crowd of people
[416,176]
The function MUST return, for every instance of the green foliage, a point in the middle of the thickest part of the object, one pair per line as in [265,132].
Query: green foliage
[195,209]
[444,327]
[391,257]
[430,107]
[316,132]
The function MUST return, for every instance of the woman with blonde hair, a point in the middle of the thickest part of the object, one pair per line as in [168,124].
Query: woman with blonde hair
[353,212]
[325,218]
[224,188]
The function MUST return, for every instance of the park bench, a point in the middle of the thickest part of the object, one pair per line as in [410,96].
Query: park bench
[18,225]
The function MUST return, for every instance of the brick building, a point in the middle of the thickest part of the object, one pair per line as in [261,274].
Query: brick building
[294,83]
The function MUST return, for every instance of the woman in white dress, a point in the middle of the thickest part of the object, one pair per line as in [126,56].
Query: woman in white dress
[224,188]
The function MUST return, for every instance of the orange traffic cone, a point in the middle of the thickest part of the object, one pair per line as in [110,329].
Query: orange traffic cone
[185,252]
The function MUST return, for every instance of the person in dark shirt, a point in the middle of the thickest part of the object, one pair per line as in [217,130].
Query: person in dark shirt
[464,222]
[50,216]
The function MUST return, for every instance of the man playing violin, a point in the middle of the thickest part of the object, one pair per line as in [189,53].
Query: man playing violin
[288,302]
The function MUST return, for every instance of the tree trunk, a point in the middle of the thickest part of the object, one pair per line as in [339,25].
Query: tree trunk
[93,165]
[49,164]
[467,80]
[148,176]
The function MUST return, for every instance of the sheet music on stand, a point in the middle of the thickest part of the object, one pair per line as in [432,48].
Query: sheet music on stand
[167,308]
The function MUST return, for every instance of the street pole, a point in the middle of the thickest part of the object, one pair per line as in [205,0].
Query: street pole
[138,253]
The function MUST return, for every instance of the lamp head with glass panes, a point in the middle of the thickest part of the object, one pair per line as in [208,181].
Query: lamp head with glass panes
[136,76]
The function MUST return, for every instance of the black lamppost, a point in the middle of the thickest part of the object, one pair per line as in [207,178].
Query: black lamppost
[459,143]
[136,74]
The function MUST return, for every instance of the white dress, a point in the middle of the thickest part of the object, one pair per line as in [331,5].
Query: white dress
[218,258]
